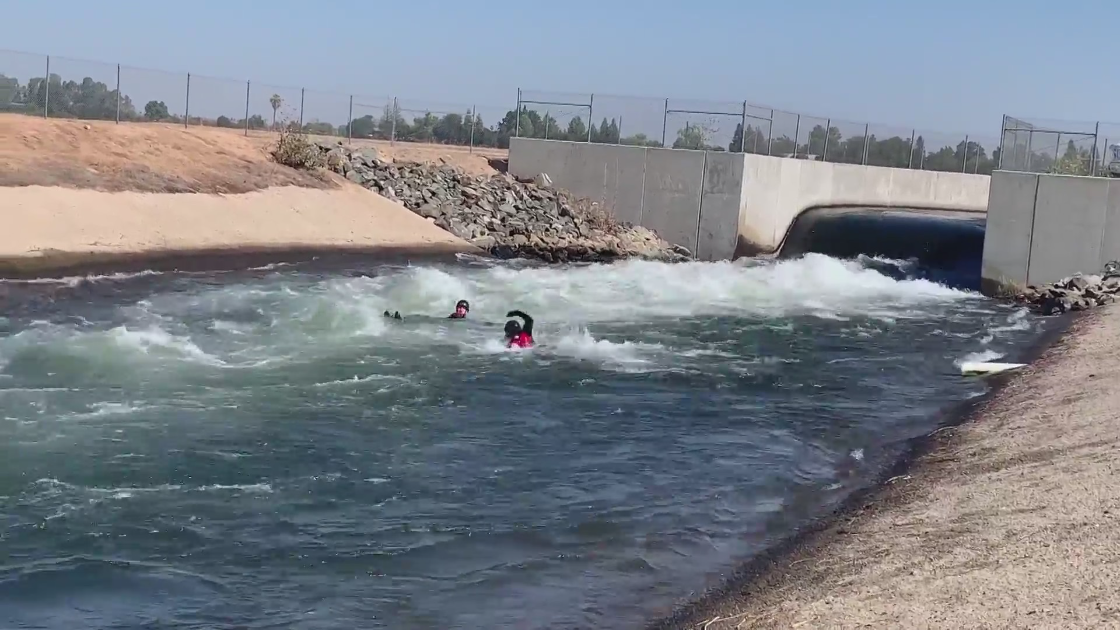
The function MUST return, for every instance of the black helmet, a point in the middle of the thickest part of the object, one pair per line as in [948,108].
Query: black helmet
[512,328]
[463,303]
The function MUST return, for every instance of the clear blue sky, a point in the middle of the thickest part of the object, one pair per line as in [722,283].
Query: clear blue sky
[947,65]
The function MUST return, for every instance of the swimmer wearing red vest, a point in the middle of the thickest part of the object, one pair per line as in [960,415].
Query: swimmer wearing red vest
[518,335]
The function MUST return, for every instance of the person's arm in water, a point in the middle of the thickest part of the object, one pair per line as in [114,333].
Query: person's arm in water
[527,328]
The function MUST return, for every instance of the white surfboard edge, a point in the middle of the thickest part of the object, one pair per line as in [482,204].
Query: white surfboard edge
[984,368]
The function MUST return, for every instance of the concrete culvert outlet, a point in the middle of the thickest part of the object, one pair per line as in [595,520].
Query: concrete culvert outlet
[943,246]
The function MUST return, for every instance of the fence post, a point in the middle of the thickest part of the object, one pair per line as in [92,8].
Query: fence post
[743,133]
[910,161]
[866,142]
[1030,152]
[1002,135]
[350,122]
[770,133]
[301,91]
[474,116]
[664,122]
[517,118]
[1093,155]
[247,83]
[393,129]
[964,167]
[590,115]
[187,113]
[118,93]
[827,126]
[796,135]
[47,92]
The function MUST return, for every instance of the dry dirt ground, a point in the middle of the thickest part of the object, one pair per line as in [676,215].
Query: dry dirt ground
[168,158]
[1011,521]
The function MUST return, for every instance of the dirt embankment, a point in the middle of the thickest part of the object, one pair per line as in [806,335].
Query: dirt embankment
[1012,520]
[75,190]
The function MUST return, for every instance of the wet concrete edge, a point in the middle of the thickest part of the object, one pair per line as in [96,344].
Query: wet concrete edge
[776,567]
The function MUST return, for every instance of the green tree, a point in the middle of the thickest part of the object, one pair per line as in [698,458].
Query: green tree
[423,128]
[9,91]
[577,130]
[640,140]
[90,100]
[693,137]
[449,129]
[275,101]
[156,111]
[392,123]
[319,128]
[364,127]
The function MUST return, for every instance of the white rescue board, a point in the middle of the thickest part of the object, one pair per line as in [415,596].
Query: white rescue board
[983,368]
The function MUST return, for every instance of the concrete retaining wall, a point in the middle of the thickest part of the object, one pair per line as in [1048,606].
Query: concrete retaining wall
[1042,228]
[725,205]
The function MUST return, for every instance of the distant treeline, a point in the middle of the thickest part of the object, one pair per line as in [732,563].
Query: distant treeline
[93,100]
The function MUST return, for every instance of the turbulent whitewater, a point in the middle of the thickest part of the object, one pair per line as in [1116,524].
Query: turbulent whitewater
[264,449]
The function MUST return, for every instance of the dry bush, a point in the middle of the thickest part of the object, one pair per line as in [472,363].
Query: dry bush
[596,216]
[296,150]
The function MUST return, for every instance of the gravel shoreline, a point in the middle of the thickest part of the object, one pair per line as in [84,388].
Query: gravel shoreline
[1008,519]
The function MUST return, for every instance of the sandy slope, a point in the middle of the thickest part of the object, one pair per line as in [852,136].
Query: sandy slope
[70,189]
[1013,522]
[38,220]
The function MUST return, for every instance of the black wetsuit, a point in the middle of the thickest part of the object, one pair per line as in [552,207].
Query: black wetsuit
[523,339]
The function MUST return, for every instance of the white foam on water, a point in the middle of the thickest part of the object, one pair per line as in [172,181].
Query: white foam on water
[156,341]
[296,318]
[983,356]
[73,281]
[641,290]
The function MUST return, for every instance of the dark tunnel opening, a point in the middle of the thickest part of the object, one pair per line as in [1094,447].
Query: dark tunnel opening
[936,245]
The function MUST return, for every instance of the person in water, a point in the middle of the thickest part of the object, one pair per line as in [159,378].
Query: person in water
[462,307]
[393,315]
[518,335]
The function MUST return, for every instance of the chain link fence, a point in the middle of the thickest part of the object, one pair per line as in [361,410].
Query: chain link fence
[744,127]
[1056,146]
[58,87]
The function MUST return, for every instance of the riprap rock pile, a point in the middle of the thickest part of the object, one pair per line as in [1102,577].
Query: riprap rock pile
[504,216]
[1077,293]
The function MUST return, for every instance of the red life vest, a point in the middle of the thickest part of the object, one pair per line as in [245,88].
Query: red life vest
[521,340]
